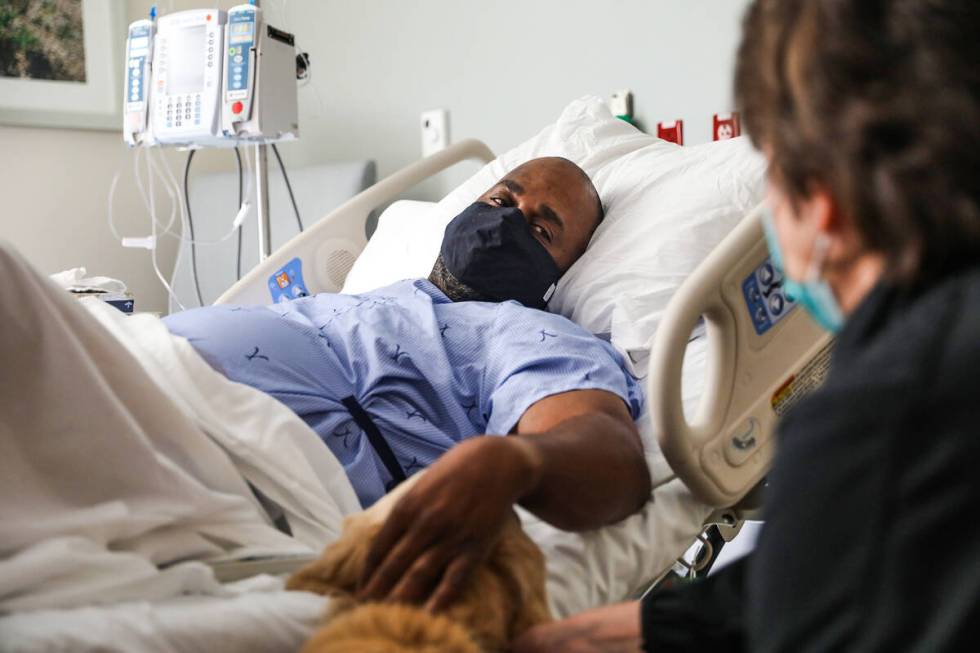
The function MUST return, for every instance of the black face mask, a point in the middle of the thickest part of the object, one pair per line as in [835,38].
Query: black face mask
[492,250]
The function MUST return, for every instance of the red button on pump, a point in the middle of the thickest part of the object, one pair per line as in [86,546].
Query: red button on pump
[237,107]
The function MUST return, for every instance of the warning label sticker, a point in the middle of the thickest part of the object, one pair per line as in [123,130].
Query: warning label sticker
[803,382]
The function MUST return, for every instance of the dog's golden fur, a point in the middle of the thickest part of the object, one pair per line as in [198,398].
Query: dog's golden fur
[505,597]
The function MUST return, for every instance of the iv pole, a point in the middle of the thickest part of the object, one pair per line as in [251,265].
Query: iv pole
[262,196]
[262,200]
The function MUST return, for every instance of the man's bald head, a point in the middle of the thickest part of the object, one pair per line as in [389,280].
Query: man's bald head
[558,200]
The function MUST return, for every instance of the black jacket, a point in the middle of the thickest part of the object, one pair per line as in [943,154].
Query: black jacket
[872,533]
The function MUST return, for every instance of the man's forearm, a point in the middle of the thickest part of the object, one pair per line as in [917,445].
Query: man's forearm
[588,471]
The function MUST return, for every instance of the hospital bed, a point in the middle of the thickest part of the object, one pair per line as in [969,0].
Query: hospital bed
[712,458]
[723,450]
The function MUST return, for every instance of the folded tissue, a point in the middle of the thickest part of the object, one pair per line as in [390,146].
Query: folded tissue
[112,291]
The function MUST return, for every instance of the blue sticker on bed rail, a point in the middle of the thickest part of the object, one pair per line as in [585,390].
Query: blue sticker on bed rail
[287,283]
[765,299]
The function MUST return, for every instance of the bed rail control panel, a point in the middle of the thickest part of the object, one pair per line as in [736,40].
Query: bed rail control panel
[764,355]
[139,53]
[765,298]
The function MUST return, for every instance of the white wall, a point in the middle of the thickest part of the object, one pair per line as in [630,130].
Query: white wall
[504,68]
[54,188]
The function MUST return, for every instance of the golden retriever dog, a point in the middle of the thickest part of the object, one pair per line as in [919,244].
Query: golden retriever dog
[505,597]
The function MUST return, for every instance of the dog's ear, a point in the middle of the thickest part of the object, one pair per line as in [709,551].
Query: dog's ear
[337,571]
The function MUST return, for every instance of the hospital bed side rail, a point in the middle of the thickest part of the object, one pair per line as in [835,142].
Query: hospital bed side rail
[328,249]
[756,372]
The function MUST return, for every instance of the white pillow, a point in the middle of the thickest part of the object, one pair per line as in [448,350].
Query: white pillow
[580,135]
[667,207]
[404,245]
[666,211]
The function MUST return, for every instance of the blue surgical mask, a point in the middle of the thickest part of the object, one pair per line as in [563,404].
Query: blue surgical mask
[491,249]
[813,292]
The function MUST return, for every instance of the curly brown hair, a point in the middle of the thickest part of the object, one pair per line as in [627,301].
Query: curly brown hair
[879,102]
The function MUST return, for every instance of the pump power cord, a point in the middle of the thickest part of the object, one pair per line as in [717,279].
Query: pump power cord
[190,227]
[289,187]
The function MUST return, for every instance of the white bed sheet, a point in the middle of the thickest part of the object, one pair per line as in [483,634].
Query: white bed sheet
[584,570]
[260,616]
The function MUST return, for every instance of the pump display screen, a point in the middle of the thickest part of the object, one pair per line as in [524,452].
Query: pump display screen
[241,32]
[139,45]
[187,61]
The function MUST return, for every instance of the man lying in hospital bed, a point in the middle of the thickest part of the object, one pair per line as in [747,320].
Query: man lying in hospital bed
[250,441]
[392,379]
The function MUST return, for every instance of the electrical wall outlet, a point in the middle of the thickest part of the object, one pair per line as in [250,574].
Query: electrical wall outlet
[435,131]
[621,103]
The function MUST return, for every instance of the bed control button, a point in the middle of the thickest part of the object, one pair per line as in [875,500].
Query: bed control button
[743,442]
[776,303]
[766,274]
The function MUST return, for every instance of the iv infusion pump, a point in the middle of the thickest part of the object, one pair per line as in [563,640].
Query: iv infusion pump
[206,77]
[139,50]
[187,77]
[259,84]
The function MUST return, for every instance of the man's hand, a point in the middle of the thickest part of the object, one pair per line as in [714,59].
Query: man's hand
[610,629]
[446,525]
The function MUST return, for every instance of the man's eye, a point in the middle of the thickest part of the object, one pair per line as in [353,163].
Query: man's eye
[542,232]
[499,201]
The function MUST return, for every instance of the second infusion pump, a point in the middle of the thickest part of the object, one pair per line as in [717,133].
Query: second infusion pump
[216,79]
[259,86]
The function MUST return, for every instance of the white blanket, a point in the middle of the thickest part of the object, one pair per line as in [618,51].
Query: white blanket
[122,451]
[125,459]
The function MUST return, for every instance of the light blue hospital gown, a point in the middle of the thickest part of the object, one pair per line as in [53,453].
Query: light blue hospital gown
[430,372]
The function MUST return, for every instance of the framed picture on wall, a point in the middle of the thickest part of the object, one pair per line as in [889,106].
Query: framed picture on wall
[60,63]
